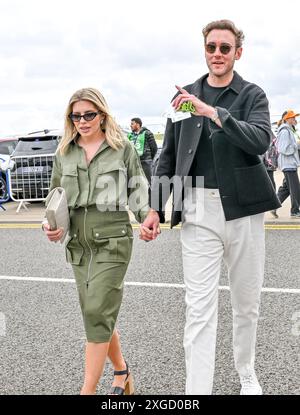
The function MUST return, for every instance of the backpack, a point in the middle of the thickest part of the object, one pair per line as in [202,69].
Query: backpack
[271,156]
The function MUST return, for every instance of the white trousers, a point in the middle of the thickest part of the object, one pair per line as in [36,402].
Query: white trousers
[207,239]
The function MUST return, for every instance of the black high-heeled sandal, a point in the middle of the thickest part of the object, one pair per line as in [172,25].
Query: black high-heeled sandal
[128,385]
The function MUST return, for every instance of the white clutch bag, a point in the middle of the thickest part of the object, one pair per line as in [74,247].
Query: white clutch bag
[57,212]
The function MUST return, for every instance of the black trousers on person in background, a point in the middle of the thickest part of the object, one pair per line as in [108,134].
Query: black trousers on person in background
[147,167]
[290,187]
[271,175]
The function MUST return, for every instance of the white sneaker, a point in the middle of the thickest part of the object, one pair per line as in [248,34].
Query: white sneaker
[250,385]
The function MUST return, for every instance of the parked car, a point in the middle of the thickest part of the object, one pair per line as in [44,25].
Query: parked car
[33,162]
[7,146]
[3,188]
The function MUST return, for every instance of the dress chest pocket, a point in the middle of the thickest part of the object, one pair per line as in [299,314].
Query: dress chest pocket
[69,181]
[111,183]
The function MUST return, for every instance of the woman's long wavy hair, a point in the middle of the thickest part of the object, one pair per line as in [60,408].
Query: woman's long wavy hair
[113,132]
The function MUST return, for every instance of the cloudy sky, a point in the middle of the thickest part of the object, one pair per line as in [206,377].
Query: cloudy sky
[134,52]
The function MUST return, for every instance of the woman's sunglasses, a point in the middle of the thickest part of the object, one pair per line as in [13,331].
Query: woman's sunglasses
[224,48]
[89,116]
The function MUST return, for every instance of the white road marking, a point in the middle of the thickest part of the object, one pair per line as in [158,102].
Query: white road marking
[143,284]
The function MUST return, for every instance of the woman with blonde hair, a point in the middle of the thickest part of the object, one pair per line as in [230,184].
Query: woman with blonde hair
[96,165]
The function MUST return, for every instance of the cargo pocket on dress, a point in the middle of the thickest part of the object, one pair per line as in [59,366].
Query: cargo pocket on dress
[69,181]
[112,243]
[253,185]
[111,184]
[74,250]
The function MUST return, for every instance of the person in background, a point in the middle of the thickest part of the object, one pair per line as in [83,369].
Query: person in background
[283,185]
[92,156]
[270,159]
[288,162]
[223,214]
[145,145]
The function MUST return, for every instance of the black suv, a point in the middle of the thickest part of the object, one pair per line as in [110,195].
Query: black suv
[33,161]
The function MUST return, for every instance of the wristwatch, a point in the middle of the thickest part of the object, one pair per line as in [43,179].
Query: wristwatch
[215,116]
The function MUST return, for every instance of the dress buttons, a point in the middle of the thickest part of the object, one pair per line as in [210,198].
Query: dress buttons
[123,231]
[199,125]
[75,235]
[190,151]
[97,235]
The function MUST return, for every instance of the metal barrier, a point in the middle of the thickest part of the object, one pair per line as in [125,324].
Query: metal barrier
[29,180]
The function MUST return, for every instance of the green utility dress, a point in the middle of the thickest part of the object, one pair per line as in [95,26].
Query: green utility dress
[100,237]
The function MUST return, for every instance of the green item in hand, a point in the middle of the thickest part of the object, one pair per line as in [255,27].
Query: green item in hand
[187,107]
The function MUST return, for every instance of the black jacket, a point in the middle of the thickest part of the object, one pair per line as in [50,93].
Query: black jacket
[244,185]
[150,148]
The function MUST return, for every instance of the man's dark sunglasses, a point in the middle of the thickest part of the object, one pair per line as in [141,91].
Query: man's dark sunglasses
[89,116]
[224,48]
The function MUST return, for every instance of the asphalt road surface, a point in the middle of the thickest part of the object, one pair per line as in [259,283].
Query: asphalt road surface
[41,332]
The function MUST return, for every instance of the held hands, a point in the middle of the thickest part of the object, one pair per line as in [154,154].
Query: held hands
[53,236]
[200,107]
[149,229]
